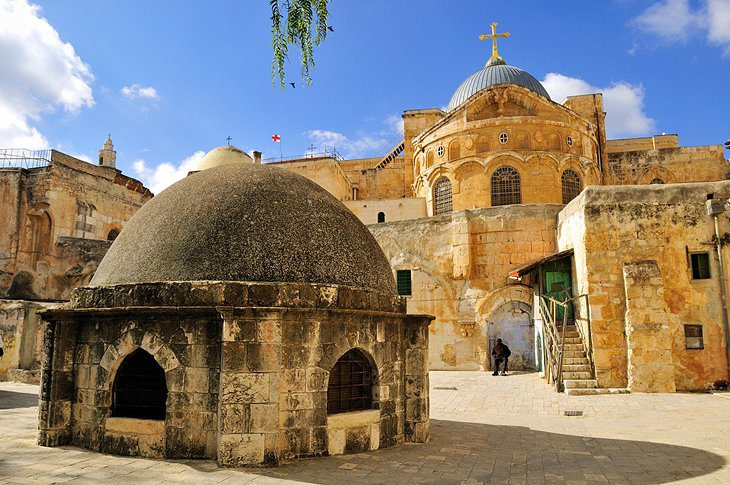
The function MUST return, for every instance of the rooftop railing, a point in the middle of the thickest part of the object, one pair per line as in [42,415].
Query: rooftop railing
[24,158]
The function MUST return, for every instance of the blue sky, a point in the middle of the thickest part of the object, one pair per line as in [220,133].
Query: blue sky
[172,79]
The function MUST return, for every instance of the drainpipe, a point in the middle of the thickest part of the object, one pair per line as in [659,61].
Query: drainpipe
[715,208]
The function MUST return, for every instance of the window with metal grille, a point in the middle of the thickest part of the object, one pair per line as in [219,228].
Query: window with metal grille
[700,263]
[139,390]
[656,181]
[570,180]
[350,385]
[112,235]
[693,337]
[403,282]
[442,196]
[506,187]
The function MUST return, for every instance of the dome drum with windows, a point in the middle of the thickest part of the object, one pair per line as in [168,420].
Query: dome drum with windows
[503,141]
[225,301]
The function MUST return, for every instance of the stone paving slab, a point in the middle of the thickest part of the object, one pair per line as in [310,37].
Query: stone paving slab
[509,430]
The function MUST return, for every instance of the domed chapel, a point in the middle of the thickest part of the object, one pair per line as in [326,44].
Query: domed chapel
[227,323]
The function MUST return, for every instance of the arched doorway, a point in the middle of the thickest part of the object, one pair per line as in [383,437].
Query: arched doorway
[512,322]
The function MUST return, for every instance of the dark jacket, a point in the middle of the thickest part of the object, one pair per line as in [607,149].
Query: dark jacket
[501,351]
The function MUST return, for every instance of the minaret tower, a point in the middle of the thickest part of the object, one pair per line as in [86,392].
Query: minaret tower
[107,155]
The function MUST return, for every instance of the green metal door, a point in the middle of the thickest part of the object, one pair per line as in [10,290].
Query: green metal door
[557,284]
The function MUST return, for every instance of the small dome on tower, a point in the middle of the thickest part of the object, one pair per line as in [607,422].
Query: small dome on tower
[225,155]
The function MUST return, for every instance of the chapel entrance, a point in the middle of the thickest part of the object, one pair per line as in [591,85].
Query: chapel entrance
[512,322]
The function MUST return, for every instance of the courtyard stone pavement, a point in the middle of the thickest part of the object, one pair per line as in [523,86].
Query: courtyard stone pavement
[484,429]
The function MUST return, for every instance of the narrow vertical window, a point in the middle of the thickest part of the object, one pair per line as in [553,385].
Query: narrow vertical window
[693,338]
[700,263]
[403,282]
[381,217]
[506,188]
[570,181]
[442,196]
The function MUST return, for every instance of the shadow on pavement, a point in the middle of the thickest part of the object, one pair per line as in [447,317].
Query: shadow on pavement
[14,399]
[487,453]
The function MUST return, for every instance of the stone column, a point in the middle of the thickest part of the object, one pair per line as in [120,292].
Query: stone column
[248,410]
[57,383]
[416,425]
[650,364]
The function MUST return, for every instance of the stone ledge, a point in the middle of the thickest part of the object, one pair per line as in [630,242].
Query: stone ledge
[135,426]
[235,294]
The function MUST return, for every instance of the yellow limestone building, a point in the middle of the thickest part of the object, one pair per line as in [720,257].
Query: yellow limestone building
[509,198]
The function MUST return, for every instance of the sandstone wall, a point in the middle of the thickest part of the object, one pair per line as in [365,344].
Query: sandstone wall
[459,265]
[665,224]
[325,172]
[671,165]
[394,209]
[51,212]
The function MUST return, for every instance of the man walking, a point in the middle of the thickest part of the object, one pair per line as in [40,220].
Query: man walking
[501,353]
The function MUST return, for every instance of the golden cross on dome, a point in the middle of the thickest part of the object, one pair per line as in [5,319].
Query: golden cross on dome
[494,36]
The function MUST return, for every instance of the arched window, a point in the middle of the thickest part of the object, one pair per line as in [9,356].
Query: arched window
[442,196]
[506,187]
[41,229]
[454,150]
[381,217]
[656,181]
[429,159]
[112,235]
[140,390]
[570,180]
[350,385]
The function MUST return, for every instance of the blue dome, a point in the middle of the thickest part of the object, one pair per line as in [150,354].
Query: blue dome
[491,75]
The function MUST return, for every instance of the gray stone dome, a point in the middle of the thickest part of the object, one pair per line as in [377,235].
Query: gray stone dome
[246,222]
[493,74]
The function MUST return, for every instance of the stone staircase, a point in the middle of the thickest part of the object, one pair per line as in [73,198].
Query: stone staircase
[578,377]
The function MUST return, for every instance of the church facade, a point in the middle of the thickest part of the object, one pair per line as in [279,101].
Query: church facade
[476,202]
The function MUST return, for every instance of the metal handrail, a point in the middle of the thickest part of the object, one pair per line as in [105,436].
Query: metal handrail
[24,158]
[554,331]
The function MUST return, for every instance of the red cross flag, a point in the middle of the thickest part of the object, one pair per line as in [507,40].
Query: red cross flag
[275,138]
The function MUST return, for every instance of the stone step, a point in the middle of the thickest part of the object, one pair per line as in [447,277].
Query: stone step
[573,340]
[573,354]
[594,391]
[568,346]
[576,368]
[579,383]
[577,374]
[575,361]
[569,334]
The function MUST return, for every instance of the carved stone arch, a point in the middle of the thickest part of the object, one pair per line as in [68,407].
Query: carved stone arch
[542,158]
[509,157]
[657,172]
[40,223]
[132,340]
[482,144]
[465,165]
[490,310]
[437,173]
[454,150]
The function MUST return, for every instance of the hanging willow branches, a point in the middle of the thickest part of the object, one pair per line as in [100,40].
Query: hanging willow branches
[298,23]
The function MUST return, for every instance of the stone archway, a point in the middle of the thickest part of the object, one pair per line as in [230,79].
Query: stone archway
[512,322]
[506,313]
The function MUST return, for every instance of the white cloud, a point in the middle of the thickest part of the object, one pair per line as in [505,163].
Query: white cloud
[40,74]
[623,102]
[394,124]
[161,176]
[136,91]
[352,148]
[677,21]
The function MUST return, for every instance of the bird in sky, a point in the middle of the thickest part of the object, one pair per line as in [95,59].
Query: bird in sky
[293,85]
[330,28]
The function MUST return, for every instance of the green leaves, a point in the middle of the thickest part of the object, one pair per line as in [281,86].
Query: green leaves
[305,27]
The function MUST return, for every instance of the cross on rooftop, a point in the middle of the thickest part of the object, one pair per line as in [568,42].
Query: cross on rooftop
[494,36]
[229,140]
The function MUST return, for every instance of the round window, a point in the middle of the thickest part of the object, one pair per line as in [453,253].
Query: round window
[440,151]
[503,138]
[570,141]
